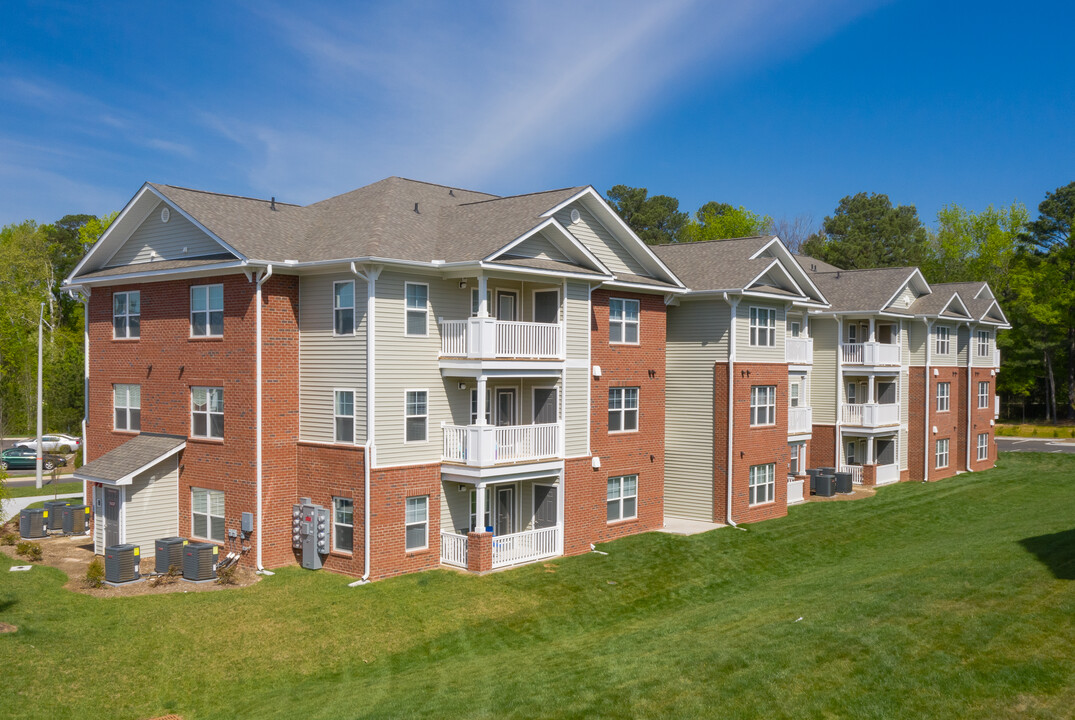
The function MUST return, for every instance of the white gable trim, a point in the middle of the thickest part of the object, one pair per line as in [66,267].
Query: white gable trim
[789,257]
[903,284]
[129,477]
[564,234]
[776,263]
[1000,310]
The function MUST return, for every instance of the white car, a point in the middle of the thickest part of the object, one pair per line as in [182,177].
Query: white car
[54,443]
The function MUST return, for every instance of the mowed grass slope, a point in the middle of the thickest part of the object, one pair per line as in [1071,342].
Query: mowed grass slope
[949,600]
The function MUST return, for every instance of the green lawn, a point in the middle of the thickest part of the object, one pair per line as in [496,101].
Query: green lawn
[57,489]
[949,600]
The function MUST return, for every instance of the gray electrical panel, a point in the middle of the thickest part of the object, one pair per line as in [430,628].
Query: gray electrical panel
[310,532]
[247,523]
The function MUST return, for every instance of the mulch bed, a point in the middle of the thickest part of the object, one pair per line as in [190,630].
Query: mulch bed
[858,493]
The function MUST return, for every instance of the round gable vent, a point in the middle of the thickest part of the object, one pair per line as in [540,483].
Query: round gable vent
[575,216]
[165,215]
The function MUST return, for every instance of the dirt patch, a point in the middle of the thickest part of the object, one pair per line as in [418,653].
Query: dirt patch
[7,628]
[858,493]
[73,555]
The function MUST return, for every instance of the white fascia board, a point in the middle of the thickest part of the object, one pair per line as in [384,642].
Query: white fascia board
[786,274]
[156,275]
[955,296]
[903,285]
[985,289]
[626,285]
[795,263]
[570,239]
[106,237]
[1000,310]
[589,193]
[593,277]
[197,224]
[129,477]
[767,296]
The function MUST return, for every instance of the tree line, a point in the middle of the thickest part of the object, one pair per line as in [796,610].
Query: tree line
[1029,264]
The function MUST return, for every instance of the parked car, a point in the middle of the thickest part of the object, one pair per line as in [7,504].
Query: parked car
[23,458]
[54,443]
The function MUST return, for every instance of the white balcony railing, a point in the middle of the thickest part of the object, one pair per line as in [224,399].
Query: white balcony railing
[487,445]
[453,549]
[856,473]
[799,350]
[871,415]
[526,546]
[996,406]
[888,474]
[870,353]
[800,420]
[996,358]
[488,338]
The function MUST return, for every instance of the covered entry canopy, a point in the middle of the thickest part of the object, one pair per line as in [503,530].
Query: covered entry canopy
[140,453]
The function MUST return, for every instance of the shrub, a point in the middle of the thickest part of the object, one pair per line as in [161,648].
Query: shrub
[226,575]
[9,538]
[31,551]
[173,574]
[78,459]
[95,573]
[64,449]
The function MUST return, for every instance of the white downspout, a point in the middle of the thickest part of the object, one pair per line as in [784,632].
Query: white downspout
[734,304]
[970,385]
[929,358]
[258,451]
[839,439]
[85,298]
[371,416]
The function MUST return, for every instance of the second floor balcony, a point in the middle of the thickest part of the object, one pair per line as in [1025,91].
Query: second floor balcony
[489,338]
[800,420]
[489,445]
[799,350]
[870,353]
[870,415]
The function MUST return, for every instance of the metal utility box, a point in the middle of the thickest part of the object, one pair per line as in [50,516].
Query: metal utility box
[168,554]
[246,523]
[75,519]
[54,514]
[199,561]
[310,532]
[32,523]
[121,563]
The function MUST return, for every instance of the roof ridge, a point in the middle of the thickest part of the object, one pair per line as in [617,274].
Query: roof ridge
[231,195]
[520,195]
[433,184]
[687,243]
[837,272]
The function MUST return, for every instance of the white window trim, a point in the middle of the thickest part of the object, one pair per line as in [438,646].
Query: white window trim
[128,407]
[796,451]
[755,329]
[407,417]
[769,407]
[851,452]
[946,339]
[621,497]
[770,484]
[937,453]
[983,447]
[407,525]
[983,397]
[208,515]
[533,401]
[623,409]
[353,416]
[335,524]
[944,398]
[624,322]
[407,310]
[208,310]
[208,413]
[354,314]
[533,302]
[127,315]
[983,352]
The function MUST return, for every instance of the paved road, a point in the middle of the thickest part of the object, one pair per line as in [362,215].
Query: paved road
[1045,445]
[10,508]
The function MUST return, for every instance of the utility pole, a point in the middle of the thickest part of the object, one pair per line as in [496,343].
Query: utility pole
[40,335]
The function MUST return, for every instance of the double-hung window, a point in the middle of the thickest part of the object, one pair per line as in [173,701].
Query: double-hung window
[417,415]
[793,393]
[623,321]
[796,453]
[622,409]
[983,343]
[488,407]
[942,453]
[417,523]
[343,307]
[622,497]
[343,524]
[983,394]
[207,514]
[762,483]
[983,446]
[763,405]
[343,414]
[417,297]
[762,327]
[127,403]
[207,311]
[944,391]
[207,412]
[944,343]
[126,314]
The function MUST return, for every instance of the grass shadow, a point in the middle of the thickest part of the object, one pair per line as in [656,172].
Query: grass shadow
[1055,551]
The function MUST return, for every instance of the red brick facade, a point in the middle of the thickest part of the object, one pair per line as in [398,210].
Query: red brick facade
[822,446]
[982,419]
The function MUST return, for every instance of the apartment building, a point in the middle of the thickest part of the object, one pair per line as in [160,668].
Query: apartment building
[459,379]
[456,378]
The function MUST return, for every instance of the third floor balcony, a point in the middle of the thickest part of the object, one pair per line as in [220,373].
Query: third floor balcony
[488,339]
[870,353]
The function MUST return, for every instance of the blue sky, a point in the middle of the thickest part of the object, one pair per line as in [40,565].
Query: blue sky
[783,107]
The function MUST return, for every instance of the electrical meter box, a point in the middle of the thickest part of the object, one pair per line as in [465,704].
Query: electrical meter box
[310,532]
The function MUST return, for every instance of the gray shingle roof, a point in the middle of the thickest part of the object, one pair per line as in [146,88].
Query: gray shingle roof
[861,290]
[159,265]
[138,452]
[935,303]
[811,264]
[715,264]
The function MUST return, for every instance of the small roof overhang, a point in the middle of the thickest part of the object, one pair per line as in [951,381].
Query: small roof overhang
[121,465]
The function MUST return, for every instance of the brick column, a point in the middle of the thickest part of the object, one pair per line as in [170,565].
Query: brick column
[479,552]
[869,475]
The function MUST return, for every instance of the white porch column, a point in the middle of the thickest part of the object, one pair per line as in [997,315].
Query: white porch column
[872,327]
[479,507]
[483,295]
[482,410]
[871,396]
[869,450]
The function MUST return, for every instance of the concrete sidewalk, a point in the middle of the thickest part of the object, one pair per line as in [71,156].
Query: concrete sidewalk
[13,506]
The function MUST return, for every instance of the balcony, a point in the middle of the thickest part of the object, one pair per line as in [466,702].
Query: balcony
[489,445]
[871,415]
[870,353]
[800,420]
[883,474]
[514,549]
[799,351]
[488,338]
[996,358]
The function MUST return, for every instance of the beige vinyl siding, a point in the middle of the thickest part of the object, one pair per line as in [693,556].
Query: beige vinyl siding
[905,344]
[151,506]
[823,385]
[952,357]
[537,246]
[167,240]
[459,400]
[903,448]
[963,347]
[744,352]
[599,241]
[577,321]
[97,493]
[916,342]
[576,412]
[410,363]
[904,298]
[327,363]
[455,510]
[979,361]
[697,340]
